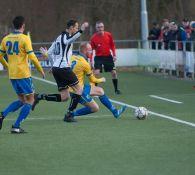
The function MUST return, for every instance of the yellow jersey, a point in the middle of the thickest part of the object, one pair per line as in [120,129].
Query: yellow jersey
[82,68]
[18,48]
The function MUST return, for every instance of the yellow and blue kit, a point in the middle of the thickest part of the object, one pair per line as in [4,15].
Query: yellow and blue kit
[18,49]
[82,68]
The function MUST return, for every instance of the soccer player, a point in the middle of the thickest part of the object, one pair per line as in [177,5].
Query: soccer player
[105,54]
[82,68]
[18,49]
[59,54]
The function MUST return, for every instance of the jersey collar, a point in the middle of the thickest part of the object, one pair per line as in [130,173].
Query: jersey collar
[16,32]
[83,56]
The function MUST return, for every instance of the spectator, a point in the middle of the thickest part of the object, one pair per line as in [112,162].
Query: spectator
[176,34]
[186,27]
[165,38]
[172,35]
[164,33]
[154,35]
[192,37]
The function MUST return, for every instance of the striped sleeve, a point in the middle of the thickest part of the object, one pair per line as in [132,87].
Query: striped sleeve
[72,38]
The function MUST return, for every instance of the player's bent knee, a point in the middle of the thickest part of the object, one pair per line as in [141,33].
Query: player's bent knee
[65,98]
[64,95]
[29,99]
[101,91]
[114,74]
[97,72]
[95,108]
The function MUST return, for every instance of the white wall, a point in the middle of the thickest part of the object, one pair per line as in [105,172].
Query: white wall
[126,57]
[161,58]
[1,67]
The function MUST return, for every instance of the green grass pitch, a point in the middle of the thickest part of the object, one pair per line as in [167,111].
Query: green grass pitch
[99,144]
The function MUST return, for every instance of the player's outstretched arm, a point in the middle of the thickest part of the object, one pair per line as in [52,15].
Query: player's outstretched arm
[93,79]
[2,54]
[3,61]
[73,37]
[35,61]
[91,76]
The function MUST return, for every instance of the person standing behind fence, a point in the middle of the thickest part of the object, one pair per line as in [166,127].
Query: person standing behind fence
[186,27]
[191,41]
[105,55]
[154,36]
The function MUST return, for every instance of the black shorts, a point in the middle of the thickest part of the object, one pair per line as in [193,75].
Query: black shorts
[104,61]
[64,77]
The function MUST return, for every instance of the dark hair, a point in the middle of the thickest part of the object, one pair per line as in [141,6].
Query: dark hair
[83,46]
[154,23]
[18,22]
[185,20]
[71,23]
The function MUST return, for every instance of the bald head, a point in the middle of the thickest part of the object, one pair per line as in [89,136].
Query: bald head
[86,49]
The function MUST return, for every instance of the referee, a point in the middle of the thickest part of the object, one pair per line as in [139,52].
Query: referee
[105,54]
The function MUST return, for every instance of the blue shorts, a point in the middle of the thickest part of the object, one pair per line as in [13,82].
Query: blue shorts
[23,86]
[86,91]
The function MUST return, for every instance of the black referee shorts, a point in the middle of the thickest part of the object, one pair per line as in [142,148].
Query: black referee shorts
[104,61]
[64,77]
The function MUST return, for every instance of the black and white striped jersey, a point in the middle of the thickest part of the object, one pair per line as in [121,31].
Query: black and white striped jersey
[61,49]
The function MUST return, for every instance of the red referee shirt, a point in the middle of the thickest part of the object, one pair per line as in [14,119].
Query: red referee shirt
[102,44]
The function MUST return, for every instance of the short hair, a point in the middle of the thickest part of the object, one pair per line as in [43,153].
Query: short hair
[185,20]
[98,22]
[154,23]
[70,23]
[83,45]
[18,21]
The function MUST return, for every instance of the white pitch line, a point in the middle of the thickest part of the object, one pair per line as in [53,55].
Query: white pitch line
[46,81]
[165,99]
[57,118]
[134,107]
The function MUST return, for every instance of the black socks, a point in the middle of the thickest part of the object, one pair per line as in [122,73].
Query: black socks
[74,102]
[51,97]
[115,83]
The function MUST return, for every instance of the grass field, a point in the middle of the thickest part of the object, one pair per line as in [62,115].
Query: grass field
[99,144]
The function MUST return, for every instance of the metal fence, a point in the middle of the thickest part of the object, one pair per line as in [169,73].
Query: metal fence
[152,44]
[179,48]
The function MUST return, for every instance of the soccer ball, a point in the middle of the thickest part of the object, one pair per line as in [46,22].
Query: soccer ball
[141,113]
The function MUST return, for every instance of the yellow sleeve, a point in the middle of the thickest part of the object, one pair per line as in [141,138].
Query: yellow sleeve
[28,45]
[90,74]
[31,55]
[3,61]
[2,53]
[35,61]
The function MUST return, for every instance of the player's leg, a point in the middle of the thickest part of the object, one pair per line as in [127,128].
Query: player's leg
[14,106]
[96,72]
[26,95]
[62,96]
[24,112]
[98,91]
[89,108]
[80,94]
[109,66]
[97,66]
[115,81]
[62,77]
